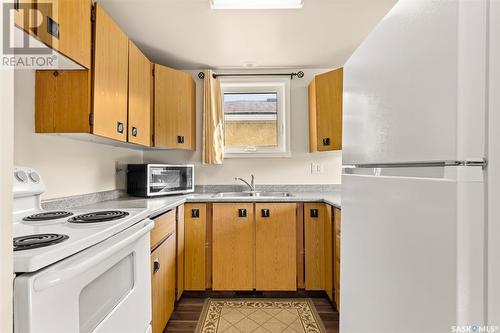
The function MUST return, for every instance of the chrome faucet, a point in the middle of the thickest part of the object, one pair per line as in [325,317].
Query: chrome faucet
[251,185]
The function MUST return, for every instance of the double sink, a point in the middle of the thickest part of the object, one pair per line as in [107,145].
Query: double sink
[247,194]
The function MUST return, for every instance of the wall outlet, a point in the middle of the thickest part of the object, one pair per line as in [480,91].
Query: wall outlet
[316,168]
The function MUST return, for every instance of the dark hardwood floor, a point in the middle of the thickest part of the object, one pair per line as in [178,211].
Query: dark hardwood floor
[188,310]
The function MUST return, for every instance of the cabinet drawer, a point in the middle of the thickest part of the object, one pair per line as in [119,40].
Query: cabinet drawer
[164,225]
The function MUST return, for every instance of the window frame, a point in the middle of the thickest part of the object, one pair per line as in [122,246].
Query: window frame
[278,85]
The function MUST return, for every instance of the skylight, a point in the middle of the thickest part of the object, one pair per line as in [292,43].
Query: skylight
[256,4]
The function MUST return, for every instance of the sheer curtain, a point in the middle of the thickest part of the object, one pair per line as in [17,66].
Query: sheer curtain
[213,121]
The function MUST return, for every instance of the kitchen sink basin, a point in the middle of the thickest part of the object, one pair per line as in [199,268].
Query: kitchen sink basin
[252,194]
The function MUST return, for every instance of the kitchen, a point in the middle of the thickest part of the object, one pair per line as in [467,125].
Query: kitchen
[219,207]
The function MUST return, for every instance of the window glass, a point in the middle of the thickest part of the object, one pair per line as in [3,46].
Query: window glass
[250,119]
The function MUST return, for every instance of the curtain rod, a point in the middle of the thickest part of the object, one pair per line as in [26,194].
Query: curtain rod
[299,74]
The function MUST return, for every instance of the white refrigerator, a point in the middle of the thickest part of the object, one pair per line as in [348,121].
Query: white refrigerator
[414,189]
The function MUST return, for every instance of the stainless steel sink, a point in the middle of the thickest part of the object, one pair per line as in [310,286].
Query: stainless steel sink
[252,194]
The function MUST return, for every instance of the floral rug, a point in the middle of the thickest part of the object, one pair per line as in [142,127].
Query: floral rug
[259,315]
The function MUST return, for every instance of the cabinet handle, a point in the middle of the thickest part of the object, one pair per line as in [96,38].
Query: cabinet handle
[314,213]
[195,213]
[180,139]
[119,127]
[326,141]
[265,212]
[242,212]
[134,131]
[52,27]
[156,265]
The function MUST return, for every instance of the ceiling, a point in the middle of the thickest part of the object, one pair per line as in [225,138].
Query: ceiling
[188,34]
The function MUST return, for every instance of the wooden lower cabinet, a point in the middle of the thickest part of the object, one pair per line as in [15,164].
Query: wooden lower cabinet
[233,246]
[329,255]
[336,255]
[319,248]
[179,285]
[275,246]
[314,240]
[163,283]
[195,231]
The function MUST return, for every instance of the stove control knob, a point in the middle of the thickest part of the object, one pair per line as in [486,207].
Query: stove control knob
[35,178]
[21,176]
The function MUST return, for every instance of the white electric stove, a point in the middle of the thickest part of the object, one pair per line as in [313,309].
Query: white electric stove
[91,267]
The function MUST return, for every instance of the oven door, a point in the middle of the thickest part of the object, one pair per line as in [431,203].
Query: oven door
[170,179]
[105,288]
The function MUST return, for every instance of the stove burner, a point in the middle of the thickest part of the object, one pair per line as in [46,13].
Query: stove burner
[47,216]
[95,217]
[38,240]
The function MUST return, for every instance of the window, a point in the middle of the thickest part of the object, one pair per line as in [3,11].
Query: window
[255,117]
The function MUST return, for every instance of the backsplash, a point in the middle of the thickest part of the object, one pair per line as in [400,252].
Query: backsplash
[269,188]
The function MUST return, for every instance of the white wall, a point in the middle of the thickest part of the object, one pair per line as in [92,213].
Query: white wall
[6,153]
[293,170]
[68,166]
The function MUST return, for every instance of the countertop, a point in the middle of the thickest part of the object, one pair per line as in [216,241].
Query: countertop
[159,205]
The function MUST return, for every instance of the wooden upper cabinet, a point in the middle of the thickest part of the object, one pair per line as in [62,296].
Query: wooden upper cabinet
[63,25]
[325,111]
[175,109]
[62,102]
[110,77]
[233,246]
[24,15]
[276,246]
[139,97]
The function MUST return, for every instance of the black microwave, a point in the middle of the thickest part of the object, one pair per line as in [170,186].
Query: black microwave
[149,180]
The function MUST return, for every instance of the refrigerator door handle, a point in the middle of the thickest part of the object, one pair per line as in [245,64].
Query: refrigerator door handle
[422,164]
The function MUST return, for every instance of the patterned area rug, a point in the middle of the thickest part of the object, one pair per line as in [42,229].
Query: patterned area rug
[259,316]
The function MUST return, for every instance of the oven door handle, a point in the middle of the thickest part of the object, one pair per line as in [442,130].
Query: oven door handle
[59,276]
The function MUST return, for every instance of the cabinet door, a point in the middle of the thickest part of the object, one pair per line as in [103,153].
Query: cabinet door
[175,109]
[139,97]
[110,77]
[62,101]
[66,27]
[233,246]
[163,283]
[329,256]
[337,256]
[180,252]
[24,17]
[325,110]
[276,246]
[314,235]
[195,228]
